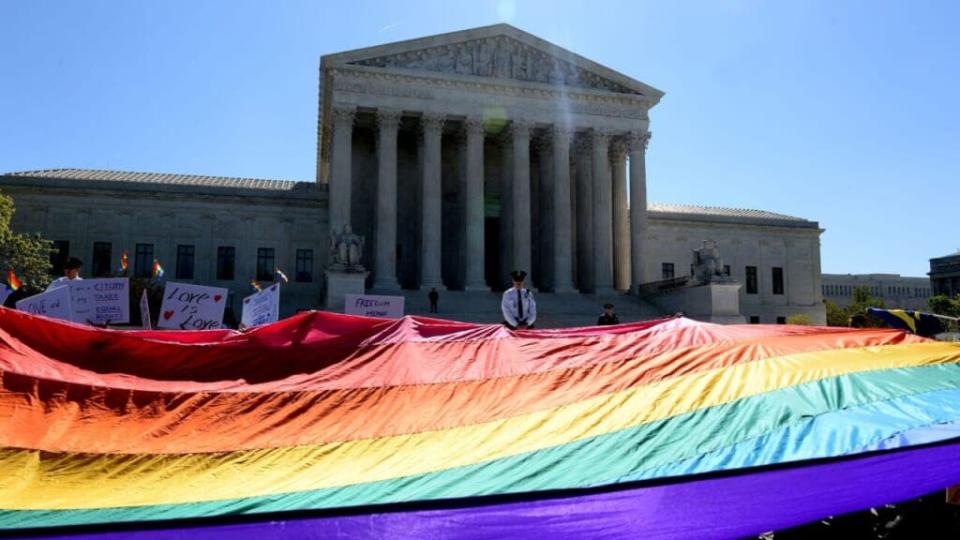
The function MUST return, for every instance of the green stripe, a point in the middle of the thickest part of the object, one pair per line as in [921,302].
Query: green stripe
[596,461]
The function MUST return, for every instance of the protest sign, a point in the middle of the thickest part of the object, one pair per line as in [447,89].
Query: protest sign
[100,301]
[262,307]
[191,307]
[5,293]
[54,304]
[369,305]
[145,311]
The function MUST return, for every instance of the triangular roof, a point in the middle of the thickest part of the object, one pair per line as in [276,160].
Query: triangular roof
[563,67]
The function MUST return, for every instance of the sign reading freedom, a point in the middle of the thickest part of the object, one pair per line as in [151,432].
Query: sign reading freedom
[370,305]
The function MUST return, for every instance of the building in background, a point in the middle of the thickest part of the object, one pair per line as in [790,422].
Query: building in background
[945,274]
[896,291]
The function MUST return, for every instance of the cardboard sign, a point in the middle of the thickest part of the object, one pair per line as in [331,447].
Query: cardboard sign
[5,293]
[99,301]
[370,305]
[191,307]
[54,304]
[145,311]
[262,307]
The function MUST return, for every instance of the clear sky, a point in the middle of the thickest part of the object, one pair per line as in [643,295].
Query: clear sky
[843,112]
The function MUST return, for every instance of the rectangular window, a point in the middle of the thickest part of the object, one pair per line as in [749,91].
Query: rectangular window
[226,257]
[777,280]
[304,265]
[58,257]
[265,264]
[666,270]
[754,319]
[143,261]
[185,262]
[781,320]
[751,272]
[102,253]
[726,269]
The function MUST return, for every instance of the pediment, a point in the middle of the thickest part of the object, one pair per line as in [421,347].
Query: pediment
[499,52]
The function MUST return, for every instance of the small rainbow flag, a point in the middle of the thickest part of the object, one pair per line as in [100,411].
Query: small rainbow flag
[157,269]
[281,275]
[13,281]
[256,285]
[124,261]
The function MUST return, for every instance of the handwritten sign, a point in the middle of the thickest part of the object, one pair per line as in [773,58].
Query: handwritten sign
[262,307]
[145,311]
[54,304]
[100,301]
[370,305]
[5,293]
[191,307]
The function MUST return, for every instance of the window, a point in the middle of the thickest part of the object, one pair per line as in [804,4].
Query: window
[666,270]
[58,258]
[751,272]
[185,262]
[781,320]
[726,269]
[265,264]
[754,319]
[692,270]
[101,259]
[304,270]
[226,257]
[777,280]
[143,261]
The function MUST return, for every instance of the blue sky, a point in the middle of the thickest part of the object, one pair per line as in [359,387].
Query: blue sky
[844,112]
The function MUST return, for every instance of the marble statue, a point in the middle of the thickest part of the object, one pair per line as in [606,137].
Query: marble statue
[708,264]
[346,250]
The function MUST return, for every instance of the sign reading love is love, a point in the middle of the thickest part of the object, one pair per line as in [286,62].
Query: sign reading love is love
[191,307]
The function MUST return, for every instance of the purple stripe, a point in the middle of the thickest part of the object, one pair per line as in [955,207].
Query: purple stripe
[723,507]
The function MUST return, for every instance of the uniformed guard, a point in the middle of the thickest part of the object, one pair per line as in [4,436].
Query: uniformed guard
[518,306]
[608,317]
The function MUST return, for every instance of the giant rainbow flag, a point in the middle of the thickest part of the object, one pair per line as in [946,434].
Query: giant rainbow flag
[325,425]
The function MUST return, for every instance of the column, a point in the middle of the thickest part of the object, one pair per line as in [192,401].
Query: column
[474,256]
[637,146]
[621,220]
[602,212]
[340,177]
[520,132]
[431,125]
[584,198]
[561,223]
[385,260]
[542,228]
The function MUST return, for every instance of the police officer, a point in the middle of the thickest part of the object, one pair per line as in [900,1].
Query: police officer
[608,317]
[518,307]
[71,272]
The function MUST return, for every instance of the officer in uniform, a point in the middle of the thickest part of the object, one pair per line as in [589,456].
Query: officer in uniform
[518,307]
[608,317]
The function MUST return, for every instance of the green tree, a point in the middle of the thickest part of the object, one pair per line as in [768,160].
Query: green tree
[27,254]
[836,315]
[803,320]
[942,304]
[862,299]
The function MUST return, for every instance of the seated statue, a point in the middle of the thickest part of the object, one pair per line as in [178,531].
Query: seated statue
[708,264]
[346,250]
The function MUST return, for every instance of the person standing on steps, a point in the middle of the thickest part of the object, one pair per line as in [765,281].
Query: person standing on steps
[71,272]
[434,297]
[608,317]
[518,306]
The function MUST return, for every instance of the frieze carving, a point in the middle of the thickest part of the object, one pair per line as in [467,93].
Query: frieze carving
[637,140]
[499,57]
[388,118]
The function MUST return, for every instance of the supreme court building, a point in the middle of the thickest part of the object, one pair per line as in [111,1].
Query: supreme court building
[458,158]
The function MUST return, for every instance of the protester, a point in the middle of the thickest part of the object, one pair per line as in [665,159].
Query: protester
[71,272]
[518,306]
[434,300]
[608,317]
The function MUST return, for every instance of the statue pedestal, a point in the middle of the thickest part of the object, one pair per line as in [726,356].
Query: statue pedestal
[340,284]
[713,302]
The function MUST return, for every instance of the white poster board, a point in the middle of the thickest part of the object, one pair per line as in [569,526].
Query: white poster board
[191,307]
[371,305]
[5,293]
[262,307]
[145,311]
[54,304]
[99,301]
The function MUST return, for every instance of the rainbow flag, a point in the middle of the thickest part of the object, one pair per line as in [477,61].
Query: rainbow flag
[157,270]
[124,261]
[422,428]
[256,285]
[13,282]
[281,276]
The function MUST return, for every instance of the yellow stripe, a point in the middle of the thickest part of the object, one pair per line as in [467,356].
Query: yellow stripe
[903,316]
[33,480]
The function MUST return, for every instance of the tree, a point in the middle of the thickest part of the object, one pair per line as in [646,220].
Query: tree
[803,320]
[942,304]
[28,255]
[838,316]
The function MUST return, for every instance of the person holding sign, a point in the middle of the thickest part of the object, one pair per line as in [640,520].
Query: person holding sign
[518,307]
[71,272]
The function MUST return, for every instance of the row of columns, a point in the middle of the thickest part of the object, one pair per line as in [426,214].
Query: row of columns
[601,190]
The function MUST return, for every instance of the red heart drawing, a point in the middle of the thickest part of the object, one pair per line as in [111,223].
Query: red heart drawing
[217,298]
[167,315]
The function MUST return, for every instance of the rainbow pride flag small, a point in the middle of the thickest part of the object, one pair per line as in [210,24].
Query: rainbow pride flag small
[13,281]
[157,270]
[281,275]
[124,261]
[256,285]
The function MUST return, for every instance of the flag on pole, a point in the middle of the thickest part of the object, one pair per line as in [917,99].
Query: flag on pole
[13,281]
[157,269]
[256,285]
[922,324]
[281,275]
[124,261]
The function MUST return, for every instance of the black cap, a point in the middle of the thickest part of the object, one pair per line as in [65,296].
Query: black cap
[608,306]
[518,275]
[73,263]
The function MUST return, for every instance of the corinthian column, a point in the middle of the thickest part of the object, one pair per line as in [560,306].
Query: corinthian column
[431,126]
[637,142]
[340,177]
[584,203]
[562,261]
[621,220]
[385,264]
[474,260]
[602,210]
[520,132]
